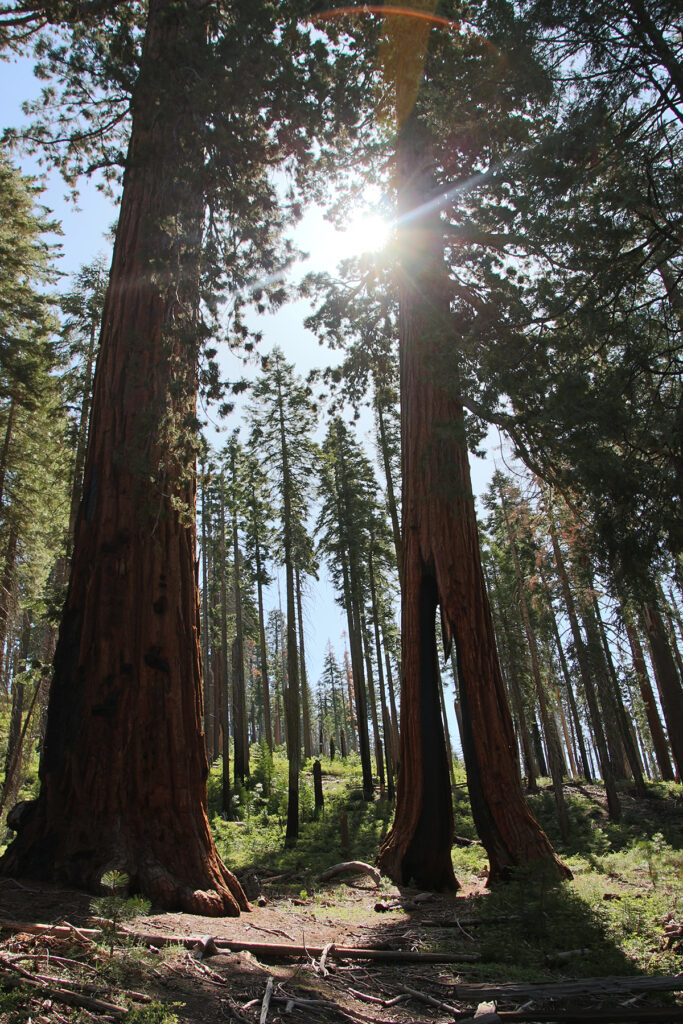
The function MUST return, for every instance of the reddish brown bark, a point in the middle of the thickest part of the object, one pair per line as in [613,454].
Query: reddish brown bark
[124,767]
[441,565]
[657,733]
[670,689]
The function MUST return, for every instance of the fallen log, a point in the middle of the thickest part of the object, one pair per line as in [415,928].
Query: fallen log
[352,867]
[59,931]
[265,949]
[611,1015]
[565,989]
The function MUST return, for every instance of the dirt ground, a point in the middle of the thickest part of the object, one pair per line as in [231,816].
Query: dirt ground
[311,986]
[349,912]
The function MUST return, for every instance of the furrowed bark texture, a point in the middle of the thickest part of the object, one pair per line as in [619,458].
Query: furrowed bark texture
[441,565]
[124,766]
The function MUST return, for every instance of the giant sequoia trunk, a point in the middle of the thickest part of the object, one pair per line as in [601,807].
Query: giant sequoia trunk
[124,769]
[441,566]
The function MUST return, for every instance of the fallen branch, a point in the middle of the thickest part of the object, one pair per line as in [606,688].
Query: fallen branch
[266,949]
[58,931]
[270,931]
[440,1005]
[88,987]
[350,867]
[62,995]
[267,995]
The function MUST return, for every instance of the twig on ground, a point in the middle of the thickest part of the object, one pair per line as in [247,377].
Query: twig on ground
[323,957]
[267,995]
[271,931]
[429,999]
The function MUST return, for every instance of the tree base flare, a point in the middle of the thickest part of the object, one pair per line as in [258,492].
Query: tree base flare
[187,876]
[428,869]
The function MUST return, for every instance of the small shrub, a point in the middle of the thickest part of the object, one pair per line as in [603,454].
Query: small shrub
[116,906]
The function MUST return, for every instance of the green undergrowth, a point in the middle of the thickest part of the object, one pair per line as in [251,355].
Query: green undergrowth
[253,836]
[609,918]
[628,881]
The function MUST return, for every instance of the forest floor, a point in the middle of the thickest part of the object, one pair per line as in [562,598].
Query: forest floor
[507,954]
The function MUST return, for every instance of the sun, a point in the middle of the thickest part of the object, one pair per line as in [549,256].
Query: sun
[363,233]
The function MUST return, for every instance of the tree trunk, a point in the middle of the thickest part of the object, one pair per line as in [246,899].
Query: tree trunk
[613,804]
[517,700]
[292,694]
[388,475]
[379,753]
[441,566]
[206,671]
[225,675]
[357,675]
[305,710]
[386,720]
[239,695]
[661,748]
[123,772]
[6,595]
[670,688]
[392,698]
[605,691]
[82,440]
[4,454]
[351,719]
[629,743]
[548,722]
[572,700]
[263,652]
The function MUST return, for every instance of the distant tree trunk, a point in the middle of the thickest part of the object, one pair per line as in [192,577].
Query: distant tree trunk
[388,475]
[565,732]
[6,594]
[613,804]
[386,720]
[605,690]
[348,672]
[628,741]
[81,439]
[352,605]
[263,651]
[123,772]
[4,453]
[239,695]
[441,567]
[292,695]
[516,694]
[660,745]
[225,675]
[670,689]
[13,757]
[206,671]
[670,628]
[305,710]
[572,699]
[379,753]
[547,720]
[392,698]
[447,733]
